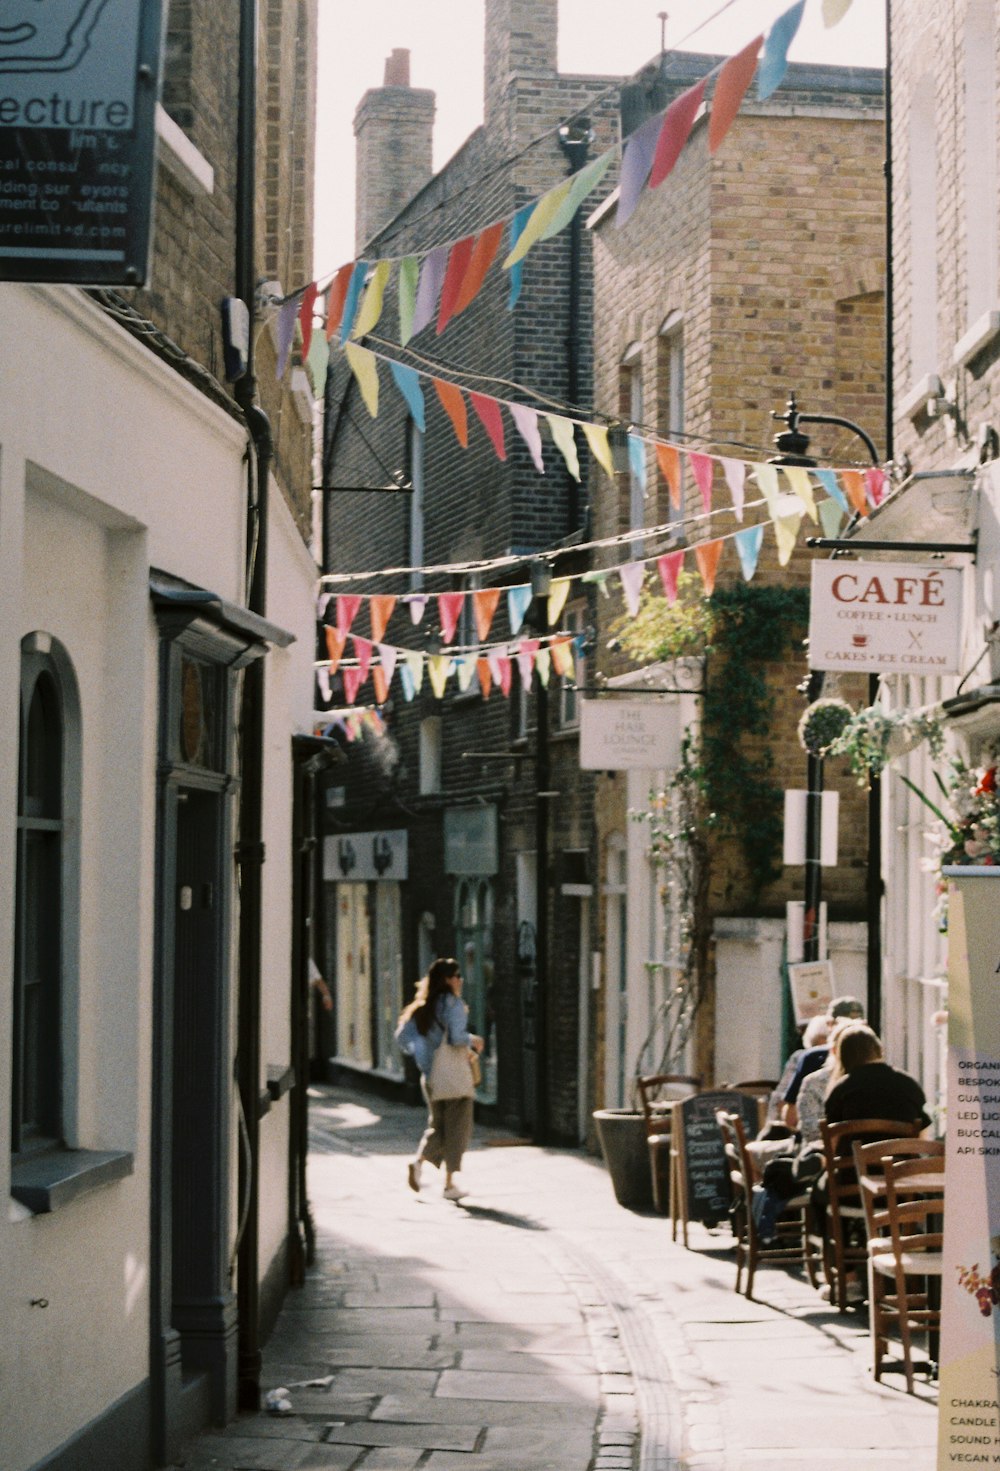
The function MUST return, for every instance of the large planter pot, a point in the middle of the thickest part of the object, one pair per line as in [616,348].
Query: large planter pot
[622,1136]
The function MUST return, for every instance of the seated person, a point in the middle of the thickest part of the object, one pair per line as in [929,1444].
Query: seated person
[845,1007]
[864,1086]
[814,1033]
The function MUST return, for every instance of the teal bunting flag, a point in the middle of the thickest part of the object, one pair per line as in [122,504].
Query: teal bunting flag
[407,380]
[518,600]
[830,483]
[748,548]
[517,225]
[774,62]
[353,299]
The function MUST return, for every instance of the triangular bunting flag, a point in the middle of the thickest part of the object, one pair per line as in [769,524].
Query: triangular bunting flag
[669,462]
[786,530]
[335,642]
[834,11]
[352,683]
[798,479]
[438,669]
[464,670]
[407,380]
[518,602]
[354,289]
[414,664]
[363,365]
[582,183]
[831,517]
[774,62]
[558,593]
[371,306]
[449,611]
[318,362]
[485,677]
[453,404]
[348,604]
[707,554]
[429,288]
[637,160]
[600,581]
[409,275]
[543,662]
[337,297]
[388,656]
[380,684]
[702,468]
[483,253]
[363,654]
[380,606]
[730,90]
[322,603]
[678,121]
[854,485]
[484,605]
[875,479]
[562,438]
[748,548]
[517,225]
[416,602]
[526,651]
[637,459]
[596,436]
[458,264]
[323,680]
[526,424]
[488,413]
[545,210]
[767,478]
[669,567]
[288,316]
[828,480]
[306,316]
[406,680]
[632,574]
[504,674]
[561,650]
[735,473]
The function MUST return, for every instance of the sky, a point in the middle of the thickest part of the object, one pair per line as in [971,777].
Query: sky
[599,37]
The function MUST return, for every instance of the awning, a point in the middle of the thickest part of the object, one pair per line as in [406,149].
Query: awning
[182,607]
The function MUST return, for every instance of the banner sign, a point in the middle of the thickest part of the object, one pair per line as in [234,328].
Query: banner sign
[78,88]
[969,1413]
[628,735]
[359,858]
[885,617]
[471,844]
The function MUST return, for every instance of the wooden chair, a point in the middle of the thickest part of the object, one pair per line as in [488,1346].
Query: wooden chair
[657,1092]
[906,1259]
[792,1243]
[844,1237]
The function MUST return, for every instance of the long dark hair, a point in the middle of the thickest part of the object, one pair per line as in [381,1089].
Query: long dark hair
[430,989]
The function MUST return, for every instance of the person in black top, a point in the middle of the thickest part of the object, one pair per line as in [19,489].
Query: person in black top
[864,1086]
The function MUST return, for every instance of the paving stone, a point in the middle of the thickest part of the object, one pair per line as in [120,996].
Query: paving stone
[243,1453]
[425,1437]
[433,1410]
[574,1389]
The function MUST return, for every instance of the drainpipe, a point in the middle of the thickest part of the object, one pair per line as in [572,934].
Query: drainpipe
[575,139]
[250,851]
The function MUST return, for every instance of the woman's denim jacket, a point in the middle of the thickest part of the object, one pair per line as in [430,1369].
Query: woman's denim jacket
[451,1020]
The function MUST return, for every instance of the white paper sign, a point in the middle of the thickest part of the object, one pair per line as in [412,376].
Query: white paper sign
[885,617]
[811,985]
[628,735]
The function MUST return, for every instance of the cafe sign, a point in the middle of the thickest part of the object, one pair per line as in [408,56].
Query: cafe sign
[78,87]
[885,617]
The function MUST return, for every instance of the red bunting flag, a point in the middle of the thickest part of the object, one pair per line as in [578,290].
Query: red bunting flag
[730,90]
[352,683]
[669,462]
[707,555]
[348,604]
[363,654]
[306,317]
[506,669]
[334,646]
[854,485]
[483,254]
[454,406]
[669,567]
[484,605]
[380,607]
[459,258]
[337,297]
[875,479]
[489,415]
[702,468]
[485,677]
[677,124]
[450,610]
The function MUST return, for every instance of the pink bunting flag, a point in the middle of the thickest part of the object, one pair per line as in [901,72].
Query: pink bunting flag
[669,567]
[335,647]
[484,605]
[450,610]
[526,651]
[702,468]
[707,554]
[417,602]
[736,473]
[730,90]
[875,479]
[485,677]
[348,604]
[669,462]
[380,607]
[352,683]
[632,574]
[677,124]
[459,258]
[526,424]
[504,672]
[363,654]
[489,415]
[306,317]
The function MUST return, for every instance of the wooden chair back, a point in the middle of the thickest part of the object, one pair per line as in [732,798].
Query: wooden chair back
[906,1256]
[843,1250]
[870,1160]
[657,1091]
[792,1244]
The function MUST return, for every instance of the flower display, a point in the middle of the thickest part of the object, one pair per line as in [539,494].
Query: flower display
[972,831]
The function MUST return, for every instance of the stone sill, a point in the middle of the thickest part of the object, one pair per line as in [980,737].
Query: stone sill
[54,1178]
[979,335]
[926,388]
[181,158]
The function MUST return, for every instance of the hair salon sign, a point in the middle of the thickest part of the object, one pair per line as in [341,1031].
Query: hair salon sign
[885,617]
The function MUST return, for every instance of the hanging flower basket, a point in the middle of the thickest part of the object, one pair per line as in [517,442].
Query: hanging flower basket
[822,723]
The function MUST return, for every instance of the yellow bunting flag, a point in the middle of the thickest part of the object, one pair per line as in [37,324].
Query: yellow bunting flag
[834,11]
[596,436]
[415,664]
[363,366]
[542,664]
[786,530]
[438,669]
[539,220]
[798,479]
[767,479]
[562,655]
[371,304]
[558,593]
[562,437]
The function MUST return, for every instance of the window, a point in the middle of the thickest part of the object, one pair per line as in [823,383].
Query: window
[48,780]
[980,160]
[670,395]
[415,472]
[568,692]
[923,293]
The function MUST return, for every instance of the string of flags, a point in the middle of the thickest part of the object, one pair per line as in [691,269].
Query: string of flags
[436,284]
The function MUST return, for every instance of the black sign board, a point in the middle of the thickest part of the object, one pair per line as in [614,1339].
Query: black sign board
[78,88]
[702,1175]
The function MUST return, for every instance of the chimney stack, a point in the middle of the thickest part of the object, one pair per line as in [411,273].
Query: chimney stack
[521,40]
[394,126]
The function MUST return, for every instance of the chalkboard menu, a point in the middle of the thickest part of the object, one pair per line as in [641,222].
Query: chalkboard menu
[701,1175]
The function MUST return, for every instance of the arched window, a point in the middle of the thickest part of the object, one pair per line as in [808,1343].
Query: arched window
[48,785]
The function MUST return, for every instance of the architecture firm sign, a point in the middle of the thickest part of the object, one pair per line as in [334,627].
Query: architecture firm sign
[969,1415]
[629,735]
[885,617]
[78,85]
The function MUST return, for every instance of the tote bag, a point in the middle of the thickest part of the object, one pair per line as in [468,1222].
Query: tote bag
[450,1075]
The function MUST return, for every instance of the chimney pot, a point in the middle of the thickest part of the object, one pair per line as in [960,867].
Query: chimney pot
[397,68]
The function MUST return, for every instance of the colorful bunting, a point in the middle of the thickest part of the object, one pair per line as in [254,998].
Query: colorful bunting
[318,362]
[325,688]
[786,530]
[429,289]
[380,606]
[352,683]
[380,684]
[354,289]
[526,651]
[337,297]
[545,210]
[453,404]
[518,602]
[407,380]
[678,120]
[875,480]
[504,674]
[798,478]
[288,316]
[748,544]
[362,364]
[485,677]
[413,664]
[828,480]
[637,160]
[774,62]
[409,275]
[735,473]
[558,593]
[730,90]
[669,567]
[388,656]
[450,610]
[483,253]
[406,680]
[363,654]
[632,575]
[526,424]
[543,661]
[637,458]
[564,441]
[707,554]
[596,436]
[582,183]
[562,656]
[831,517]
[371,306]
[335,641]
[488,413]
[306,316]
[669,462]
[767,479]
[348,604]
[464,670]
[459,258]
[702,468]
[438,669]
[417,602]
[854,484]
[517,225]
[484,606]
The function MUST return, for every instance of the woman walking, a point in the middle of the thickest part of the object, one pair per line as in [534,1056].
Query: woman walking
[434,1029]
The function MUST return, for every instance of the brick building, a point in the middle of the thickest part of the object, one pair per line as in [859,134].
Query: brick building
[751,273]
[164,666]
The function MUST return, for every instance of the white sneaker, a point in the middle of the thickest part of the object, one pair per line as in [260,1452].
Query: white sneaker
[454,1192]
[413,1175]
